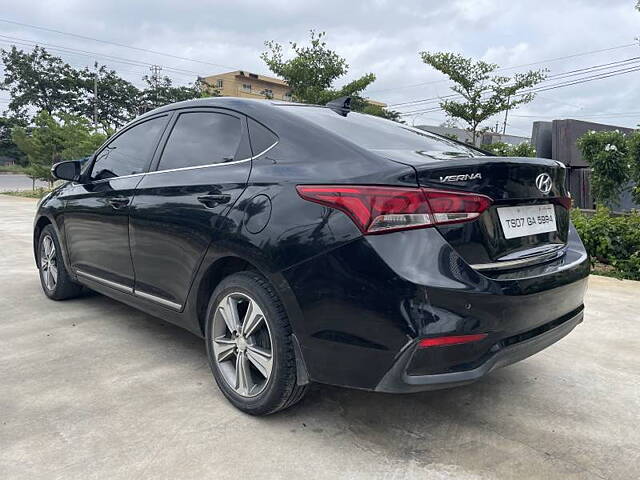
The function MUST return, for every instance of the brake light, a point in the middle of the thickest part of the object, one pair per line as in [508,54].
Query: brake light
[452,340]
[384,209]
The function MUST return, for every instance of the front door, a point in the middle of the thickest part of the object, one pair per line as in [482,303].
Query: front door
[200,173]
[96,214]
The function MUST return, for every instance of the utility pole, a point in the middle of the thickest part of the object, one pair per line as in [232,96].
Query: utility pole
[95,97]
[155,75]
[506,114]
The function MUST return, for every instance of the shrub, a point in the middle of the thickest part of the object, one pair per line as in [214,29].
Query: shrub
[633,143]
[611,240]
[606,152]
[503,149]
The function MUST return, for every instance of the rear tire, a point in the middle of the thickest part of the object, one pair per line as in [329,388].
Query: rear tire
[54,278]
[249,345]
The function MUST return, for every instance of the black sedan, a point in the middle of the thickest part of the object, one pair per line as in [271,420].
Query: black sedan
[313,244]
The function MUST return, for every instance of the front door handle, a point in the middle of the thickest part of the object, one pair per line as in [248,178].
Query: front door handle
[211,201]
[118,202]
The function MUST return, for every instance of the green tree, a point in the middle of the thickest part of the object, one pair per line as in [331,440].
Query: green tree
[502,149]
[38,80]
[312,72]
[378,111]
[161,91]
[117,99]
[606,152]
[483,93]
[53,140]
[7,146]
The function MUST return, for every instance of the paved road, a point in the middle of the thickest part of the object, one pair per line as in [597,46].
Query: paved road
[90,388]
[11,182]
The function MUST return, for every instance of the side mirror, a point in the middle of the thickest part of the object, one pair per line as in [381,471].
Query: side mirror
[69,170]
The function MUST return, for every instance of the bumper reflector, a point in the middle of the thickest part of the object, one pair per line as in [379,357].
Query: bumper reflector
[453,340]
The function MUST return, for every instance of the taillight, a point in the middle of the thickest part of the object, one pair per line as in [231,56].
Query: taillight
[454,207]
[384,209]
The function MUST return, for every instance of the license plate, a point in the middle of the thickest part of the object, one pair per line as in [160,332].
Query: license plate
[527,220]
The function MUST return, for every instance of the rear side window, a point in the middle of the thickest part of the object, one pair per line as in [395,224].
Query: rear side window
[201,138]
[379,134]
[130,152]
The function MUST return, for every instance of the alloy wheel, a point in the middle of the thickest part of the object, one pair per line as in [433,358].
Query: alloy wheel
[48,262]
[242,344]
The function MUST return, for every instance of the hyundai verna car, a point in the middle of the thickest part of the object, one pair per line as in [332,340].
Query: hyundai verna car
[313,244]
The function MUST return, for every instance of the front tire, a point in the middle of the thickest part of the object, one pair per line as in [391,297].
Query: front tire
[55,280]
[249,345]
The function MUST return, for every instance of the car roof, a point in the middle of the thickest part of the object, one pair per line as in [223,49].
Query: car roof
[234,103]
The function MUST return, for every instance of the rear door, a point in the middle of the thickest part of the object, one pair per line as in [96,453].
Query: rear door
[96,214]
[180,206]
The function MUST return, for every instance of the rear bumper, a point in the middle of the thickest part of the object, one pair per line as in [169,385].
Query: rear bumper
[398,380]
[365,305]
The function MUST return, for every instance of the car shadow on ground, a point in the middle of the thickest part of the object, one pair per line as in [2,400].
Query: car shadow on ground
[324,401]
[508,411]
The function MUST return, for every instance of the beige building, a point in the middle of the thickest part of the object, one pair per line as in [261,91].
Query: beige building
[251,85]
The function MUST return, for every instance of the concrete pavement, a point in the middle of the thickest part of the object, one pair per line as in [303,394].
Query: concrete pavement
[90,388]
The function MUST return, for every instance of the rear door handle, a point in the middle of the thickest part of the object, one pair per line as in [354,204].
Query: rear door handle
[118,202]
[211,201]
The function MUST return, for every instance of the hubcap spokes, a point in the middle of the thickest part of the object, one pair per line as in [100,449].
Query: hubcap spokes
[242,344]
[48,263]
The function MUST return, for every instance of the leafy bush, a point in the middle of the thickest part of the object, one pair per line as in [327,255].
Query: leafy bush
[633,144]
[503,149]
[606,152]
[612,241]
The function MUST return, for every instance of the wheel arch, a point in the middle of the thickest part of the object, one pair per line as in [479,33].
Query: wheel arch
[217,270]
[38,226]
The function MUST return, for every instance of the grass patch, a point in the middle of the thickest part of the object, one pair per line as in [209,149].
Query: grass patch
[37,193]
[11,169]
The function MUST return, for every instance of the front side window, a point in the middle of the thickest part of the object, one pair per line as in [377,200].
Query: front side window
[201,138]
[130,152]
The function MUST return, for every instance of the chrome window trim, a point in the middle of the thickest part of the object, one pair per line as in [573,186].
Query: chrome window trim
[124,288]
[195,167]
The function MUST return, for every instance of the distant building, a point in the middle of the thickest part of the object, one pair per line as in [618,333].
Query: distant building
[241,83]
[249,85]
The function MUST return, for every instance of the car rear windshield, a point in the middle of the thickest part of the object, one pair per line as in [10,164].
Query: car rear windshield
[380,134]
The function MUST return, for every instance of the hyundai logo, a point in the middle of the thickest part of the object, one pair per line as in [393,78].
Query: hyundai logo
[544,182]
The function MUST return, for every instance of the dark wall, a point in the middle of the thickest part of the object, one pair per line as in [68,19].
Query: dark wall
[541,139]
[565,134]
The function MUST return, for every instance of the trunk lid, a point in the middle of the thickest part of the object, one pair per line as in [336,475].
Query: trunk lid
[508,237]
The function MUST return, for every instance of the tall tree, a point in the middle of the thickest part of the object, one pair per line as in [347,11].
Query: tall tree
[39,80]
[116,102]
[161,91]
[7,146]
[313,71]
[483,93]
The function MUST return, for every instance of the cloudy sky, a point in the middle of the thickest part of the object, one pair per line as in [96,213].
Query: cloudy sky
[379,36]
